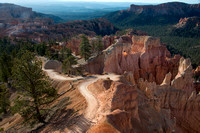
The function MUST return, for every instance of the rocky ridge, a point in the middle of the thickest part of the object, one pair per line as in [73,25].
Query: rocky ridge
[155,93]
[17,22]
[171,8]
[45,31]
[166,13]
[187,27]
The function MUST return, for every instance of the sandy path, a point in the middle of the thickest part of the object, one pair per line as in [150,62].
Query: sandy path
[92,101]
[87,119]
[56,76]
[93,105]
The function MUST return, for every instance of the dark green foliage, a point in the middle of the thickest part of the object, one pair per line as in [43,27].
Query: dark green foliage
[187,47]
[190,29]
[97,45]
[68,60]
[4,99]
[85,47]
[35,90]
[5,67]
[129,19]
[41,49]
[67,64]
[65,53]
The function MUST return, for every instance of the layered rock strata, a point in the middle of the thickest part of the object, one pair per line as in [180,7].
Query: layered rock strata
[144,56]
[156,91]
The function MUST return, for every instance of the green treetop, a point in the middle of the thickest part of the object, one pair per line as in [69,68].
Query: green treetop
[4,99]
[35,90]
[85,47]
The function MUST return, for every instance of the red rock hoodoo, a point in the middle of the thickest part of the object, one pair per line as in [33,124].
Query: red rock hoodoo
[155,93]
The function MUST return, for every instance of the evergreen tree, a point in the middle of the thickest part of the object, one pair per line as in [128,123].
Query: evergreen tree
[5,67]
[65,53]
[40,49]
[4,99]
[35,91]
[85,47]
[68,62]
[97,45]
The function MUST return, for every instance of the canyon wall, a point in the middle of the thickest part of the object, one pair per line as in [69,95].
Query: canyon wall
[155,93]
[144,56]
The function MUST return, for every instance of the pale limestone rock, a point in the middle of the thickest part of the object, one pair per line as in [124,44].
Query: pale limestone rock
[184,79]
[167,80]
[146,58]
[151,42]
[165,87]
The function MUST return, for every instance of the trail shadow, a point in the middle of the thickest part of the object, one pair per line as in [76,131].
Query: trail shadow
[81,126]
[65,119]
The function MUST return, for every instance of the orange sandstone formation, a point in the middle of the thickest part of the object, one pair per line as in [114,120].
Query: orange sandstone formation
[155,94]
[144,56]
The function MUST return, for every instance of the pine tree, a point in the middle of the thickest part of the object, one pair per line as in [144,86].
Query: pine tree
[5,67]
[65,53]
[40,49]
[68,62]
[35,91]
[97,45]
[85,47]
[4,99]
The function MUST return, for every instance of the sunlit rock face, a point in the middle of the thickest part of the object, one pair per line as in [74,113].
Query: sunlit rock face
[144,56]
[184,78]
[156,91]
[126,109]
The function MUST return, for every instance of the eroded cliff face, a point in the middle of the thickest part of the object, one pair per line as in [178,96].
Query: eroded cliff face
[155,93]
[144,56]
[145,107]
[173,8]
[128,109]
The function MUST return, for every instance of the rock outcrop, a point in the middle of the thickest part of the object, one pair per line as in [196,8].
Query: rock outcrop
[23,23]
[54,65]
[165,13]
[144,56]
[127,109]
[108,40]
[171,8]
[187,27]
[153,86]
[184,78]
[196,73]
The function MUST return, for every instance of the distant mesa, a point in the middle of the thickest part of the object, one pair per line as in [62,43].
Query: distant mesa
[167,13]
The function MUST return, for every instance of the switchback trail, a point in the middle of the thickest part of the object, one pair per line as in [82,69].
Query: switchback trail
[85,121]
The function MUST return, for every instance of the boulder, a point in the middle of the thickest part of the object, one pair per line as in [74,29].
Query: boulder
[54,65]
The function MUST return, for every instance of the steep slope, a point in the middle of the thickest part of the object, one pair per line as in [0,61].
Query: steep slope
[40,32]
[159,20]
[144,56]
[11,12]
[23,23]
[167,13]
[155,94]
[187,27]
